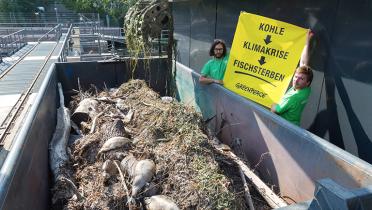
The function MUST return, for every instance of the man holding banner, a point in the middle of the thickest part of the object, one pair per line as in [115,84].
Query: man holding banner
[214,70]
[293,102]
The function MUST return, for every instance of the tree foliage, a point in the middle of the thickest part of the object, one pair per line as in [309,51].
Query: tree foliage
[114,8]
[22,5]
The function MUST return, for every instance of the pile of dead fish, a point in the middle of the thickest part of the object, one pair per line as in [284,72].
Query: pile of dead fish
[132,149]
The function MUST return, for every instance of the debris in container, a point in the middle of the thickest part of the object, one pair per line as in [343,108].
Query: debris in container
[146,153]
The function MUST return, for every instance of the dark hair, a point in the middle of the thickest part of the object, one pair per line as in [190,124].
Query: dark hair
[307,71]
[216,42]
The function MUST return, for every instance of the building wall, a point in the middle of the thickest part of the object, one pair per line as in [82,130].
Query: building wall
[338,109]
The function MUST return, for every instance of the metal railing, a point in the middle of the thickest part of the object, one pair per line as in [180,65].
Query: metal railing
[111,31]
[65,48]
[53,34]
[11,43]
[32,32]
[54,17]
[161,44]
[87,40]
[26,25]
[7,31]
[100,43]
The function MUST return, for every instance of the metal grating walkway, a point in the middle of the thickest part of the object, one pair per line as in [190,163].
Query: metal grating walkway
[18,79]
[15,84]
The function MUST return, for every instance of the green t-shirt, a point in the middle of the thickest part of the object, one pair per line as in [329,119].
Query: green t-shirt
[215,68]
[292,104]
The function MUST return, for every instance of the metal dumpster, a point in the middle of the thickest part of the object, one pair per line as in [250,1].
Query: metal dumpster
[286,156]
[24,176]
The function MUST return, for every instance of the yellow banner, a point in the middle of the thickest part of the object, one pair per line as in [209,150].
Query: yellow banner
[263,58]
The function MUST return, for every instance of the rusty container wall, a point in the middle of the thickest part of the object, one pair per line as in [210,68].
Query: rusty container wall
[286,156]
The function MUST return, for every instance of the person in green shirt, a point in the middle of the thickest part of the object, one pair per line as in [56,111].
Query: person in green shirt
[214,70]
[293,102]
[295,99]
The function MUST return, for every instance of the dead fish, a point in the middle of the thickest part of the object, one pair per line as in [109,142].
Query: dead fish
[141,172]
[145,170]
[113,143]
[160,202]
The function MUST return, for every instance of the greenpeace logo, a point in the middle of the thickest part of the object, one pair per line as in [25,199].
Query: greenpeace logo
[250,90]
